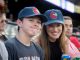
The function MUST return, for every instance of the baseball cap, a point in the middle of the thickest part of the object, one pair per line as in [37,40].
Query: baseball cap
[31,12]
[53,16]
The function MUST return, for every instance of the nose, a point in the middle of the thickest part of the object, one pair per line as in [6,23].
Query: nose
[35,23]
[55,28]
[68,27]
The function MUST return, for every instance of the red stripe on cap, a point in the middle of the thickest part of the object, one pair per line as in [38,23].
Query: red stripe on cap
[35,10]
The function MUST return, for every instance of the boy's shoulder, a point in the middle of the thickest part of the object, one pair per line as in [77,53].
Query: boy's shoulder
[36,45]
[10,43]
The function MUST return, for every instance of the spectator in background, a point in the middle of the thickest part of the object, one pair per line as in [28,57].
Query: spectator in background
[11,17]
[69,30]
[9,31]
[76,31]
[2,26]
[79,33]
[2,20]
[3,51]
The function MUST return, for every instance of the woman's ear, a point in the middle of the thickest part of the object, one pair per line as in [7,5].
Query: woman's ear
[19,22]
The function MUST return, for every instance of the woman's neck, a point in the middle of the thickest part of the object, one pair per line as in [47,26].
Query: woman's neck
[51,40]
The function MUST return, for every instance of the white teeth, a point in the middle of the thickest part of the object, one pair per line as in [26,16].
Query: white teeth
[54,33]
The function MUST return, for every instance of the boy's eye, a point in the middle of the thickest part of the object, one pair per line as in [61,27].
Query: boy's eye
[30,20]
[39,22]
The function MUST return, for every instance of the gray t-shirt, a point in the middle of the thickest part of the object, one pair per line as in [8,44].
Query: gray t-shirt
[32,52]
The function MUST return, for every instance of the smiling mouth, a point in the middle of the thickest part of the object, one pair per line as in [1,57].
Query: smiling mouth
[54,33]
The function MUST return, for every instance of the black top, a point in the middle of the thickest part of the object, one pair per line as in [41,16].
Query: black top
[55,50]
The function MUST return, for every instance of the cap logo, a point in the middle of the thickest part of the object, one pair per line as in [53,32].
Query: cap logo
[53,15]
[35,10]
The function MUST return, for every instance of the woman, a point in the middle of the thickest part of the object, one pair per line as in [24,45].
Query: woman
[53,39]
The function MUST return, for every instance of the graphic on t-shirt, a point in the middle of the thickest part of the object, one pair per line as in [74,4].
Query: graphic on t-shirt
[30,58]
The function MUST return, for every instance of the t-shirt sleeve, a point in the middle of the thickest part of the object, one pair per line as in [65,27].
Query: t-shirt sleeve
[11,51]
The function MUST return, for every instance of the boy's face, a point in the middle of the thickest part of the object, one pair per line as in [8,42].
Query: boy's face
[30,26]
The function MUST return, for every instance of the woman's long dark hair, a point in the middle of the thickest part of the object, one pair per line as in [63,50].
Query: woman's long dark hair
[44,42]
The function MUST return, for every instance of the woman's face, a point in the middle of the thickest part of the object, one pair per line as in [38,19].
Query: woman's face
[54,31]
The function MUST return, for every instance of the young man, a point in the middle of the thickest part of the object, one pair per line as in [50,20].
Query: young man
[29,21]
[68,29]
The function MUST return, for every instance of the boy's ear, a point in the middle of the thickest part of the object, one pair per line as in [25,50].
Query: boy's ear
[19,22]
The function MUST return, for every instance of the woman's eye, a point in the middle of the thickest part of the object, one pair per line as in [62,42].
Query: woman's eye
[58,25]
